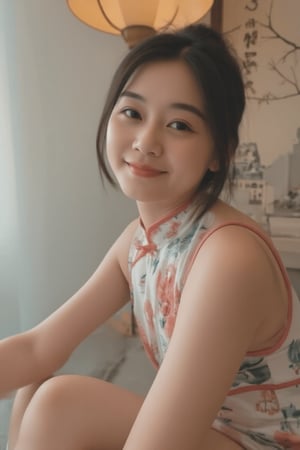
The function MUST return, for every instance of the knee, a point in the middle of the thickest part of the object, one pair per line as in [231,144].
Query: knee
[51,398]
[54,392]
[49,416]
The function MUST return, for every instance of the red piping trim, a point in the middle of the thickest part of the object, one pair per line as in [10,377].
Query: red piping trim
[164,219]
[265,387]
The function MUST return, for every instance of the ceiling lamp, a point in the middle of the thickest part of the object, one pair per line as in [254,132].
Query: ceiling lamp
[138,19]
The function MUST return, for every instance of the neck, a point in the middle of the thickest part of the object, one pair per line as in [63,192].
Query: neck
[152,212]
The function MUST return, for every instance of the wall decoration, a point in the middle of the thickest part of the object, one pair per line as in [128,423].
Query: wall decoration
[266,37]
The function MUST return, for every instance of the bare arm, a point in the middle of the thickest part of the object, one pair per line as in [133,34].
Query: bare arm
[37,353]
[223,305]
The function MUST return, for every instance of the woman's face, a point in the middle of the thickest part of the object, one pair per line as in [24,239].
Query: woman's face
[158,143]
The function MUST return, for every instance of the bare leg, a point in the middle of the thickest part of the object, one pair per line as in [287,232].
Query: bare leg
[21,401]
[71,412]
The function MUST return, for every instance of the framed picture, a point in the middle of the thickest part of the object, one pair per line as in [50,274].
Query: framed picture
[266,36]
[216,15]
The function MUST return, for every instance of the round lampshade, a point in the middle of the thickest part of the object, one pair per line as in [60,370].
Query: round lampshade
[115,16]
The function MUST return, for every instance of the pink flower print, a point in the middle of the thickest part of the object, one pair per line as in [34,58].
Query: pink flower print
[149,314]
[170,324]
[173,230]
[288,440]
[167,290]
[268,403]
[168,297]
[164,308]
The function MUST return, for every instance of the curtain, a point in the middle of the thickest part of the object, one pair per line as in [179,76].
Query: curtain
[9,233]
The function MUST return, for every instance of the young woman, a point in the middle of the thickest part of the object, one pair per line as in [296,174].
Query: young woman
[212,301]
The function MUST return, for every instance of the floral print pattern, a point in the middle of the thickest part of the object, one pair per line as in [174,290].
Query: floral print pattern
[262,409]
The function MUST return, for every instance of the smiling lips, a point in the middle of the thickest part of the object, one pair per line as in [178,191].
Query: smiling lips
[143,170]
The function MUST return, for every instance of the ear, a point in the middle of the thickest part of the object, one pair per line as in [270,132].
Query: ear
[214,165]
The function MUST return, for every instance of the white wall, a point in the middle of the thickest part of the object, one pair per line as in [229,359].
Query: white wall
[56,220]
[59,71]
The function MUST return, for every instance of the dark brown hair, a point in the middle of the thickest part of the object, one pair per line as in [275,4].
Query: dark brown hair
[218,75]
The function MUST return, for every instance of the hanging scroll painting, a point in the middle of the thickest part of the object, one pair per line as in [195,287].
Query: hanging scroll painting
[266,36]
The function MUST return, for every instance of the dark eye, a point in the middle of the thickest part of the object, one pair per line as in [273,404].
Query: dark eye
[180,126]
[131,113]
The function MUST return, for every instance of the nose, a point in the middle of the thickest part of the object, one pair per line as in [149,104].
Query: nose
[148,141]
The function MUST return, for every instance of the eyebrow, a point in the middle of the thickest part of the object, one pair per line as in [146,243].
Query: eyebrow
[190,108]
[177,105]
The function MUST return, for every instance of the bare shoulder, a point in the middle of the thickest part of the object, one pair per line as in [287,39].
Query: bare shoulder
[238,243]
[242,242]
[240,259]
[232,267]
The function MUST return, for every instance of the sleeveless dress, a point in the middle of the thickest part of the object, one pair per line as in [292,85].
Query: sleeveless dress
[262,408]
